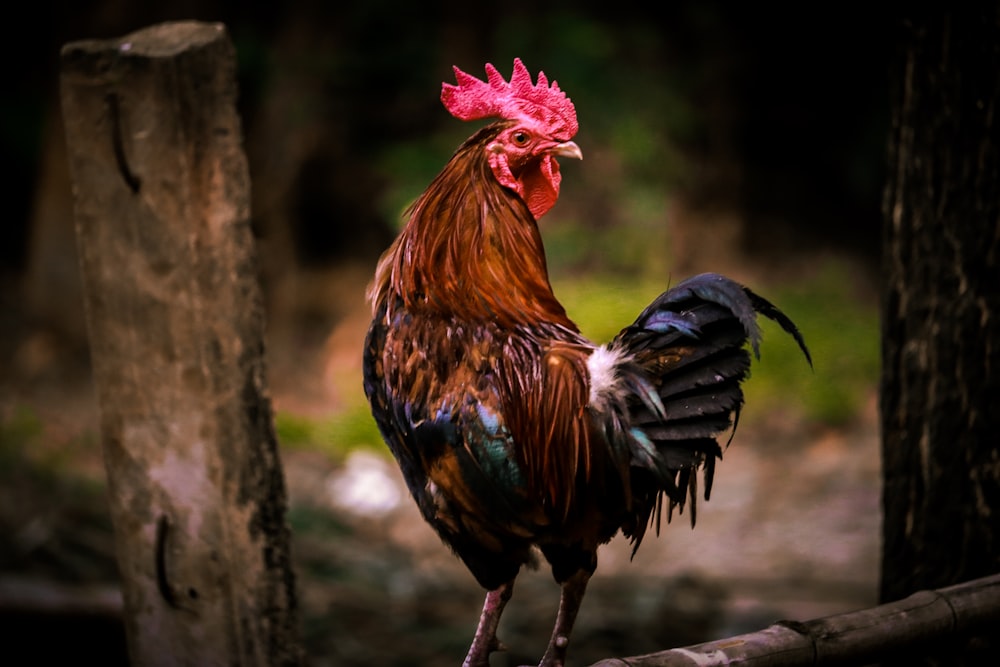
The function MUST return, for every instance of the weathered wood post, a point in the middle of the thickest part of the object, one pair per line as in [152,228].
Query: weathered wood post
[175,316]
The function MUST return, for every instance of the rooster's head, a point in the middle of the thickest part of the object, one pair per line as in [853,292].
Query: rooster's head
[541,124]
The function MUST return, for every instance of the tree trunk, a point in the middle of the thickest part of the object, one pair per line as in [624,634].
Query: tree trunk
[940,394]
[175,317]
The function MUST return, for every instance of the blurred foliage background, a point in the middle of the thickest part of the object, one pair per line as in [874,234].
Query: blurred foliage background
[728,137]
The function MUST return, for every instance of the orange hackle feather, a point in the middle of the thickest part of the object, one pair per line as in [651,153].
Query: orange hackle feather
[549,413]
[471,251]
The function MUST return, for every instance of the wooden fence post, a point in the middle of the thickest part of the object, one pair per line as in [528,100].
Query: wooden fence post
[175,317]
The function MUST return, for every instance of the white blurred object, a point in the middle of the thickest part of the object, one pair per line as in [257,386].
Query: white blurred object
[366,485]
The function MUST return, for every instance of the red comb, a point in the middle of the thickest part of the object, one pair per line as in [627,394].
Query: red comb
[473,99]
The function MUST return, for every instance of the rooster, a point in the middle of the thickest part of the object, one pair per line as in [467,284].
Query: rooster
[512,430]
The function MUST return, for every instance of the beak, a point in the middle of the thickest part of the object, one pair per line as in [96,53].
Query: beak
[567,149]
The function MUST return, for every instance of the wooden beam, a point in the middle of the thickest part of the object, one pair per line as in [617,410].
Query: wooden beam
[926,618]
[175,317]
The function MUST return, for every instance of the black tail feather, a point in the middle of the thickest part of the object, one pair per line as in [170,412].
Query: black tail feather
[769,310]
[704,374]
[693,344]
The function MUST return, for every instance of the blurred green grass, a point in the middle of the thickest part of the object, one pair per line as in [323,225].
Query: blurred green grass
[336,435]
[841,328]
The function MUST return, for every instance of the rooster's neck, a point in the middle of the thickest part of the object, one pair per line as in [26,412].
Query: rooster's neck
[471,250]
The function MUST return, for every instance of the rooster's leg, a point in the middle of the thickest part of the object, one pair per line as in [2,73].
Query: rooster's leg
[569,604]
[485,641]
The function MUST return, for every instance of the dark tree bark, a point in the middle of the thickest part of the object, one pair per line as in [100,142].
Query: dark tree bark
[940,394]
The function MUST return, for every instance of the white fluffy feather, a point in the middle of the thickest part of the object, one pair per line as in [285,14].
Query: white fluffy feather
[603,368]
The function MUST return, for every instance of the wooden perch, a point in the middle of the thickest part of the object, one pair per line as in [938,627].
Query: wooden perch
[175,317]
[855,638]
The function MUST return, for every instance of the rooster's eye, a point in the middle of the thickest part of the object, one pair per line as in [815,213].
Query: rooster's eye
[520,138]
